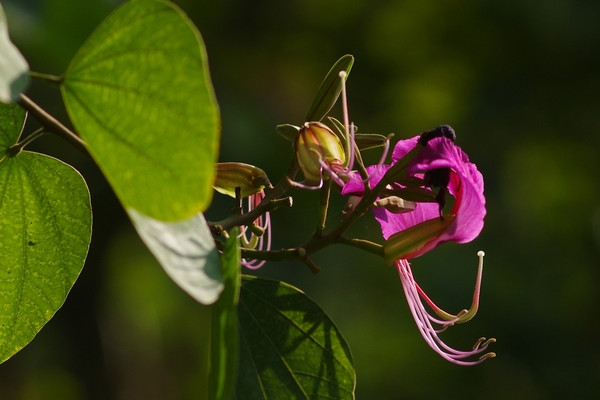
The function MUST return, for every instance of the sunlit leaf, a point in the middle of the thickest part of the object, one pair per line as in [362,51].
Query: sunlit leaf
[224,337]
[14,70]
[139,93]
[289,348]
[11,124]
[330,89]
[44,236]
[186,251]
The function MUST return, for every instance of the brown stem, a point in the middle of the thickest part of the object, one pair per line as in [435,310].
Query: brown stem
[51,124]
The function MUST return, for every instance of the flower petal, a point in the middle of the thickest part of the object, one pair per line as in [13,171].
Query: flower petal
[466,184]
[356,185]
[403,147]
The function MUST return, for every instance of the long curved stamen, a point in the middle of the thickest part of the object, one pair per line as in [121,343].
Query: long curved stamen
[423,320]
[330,169]
[464,315]
[257,238]
[351,150]
[301,185]
[386,149]
[349,129]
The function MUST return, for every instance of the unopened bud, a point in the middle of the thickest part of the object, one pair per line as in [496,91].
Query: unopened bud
[248,178]
[315,143]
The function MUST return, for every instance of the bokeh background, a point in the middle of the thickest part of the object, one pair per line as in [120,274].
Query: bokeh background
[519,82]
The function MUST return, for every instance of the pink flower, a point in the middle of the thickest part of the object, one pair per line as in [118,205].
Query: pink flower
[419,226]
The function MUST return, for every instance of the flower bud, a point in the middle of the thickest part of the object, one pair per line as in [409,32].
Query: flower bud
[248,178]
[314,144]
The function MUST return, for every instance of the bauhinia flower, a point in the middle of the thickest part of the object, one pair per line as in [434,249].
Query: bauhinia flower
[412,219]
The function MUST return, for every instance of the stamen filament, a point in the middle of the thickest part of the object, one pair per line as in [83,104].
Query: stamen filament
[423,321]
[475,304]
[258,238]
[348,127]
[463,315]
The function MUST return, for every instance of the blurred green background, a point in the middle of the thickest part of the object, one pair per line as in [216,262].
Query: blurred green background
[519,82]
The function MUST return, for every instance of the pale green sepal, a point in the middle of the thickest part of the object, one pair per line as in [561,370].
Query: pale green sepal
[248,178]
[288,131]
[330,89]
[407,243]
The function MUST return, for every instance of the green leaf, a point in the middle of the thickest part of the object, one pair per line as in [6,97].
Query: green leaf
[44,237]
[11,124]
[290,349]
[366,141]
[287,131]
[186,251]
[224,337]
[14,70]
[330,89]
[139,93]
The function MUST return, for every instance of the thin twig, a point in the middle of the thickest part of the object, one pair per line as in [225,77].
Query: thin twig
[323,208]
[363,244]
[51,124]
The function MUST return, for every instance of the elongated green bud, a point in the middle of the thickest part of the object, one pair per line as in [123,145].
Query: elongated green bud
[249,178]
[409,242]
[315,142]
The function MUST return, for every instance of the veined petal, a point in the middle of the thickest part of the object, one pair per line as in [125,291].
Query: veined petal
[466,185]
[403,147]
[356,185]
[394,223]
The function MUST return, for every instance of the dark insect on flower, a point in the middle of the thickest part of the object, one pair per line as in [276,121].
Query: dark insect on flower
[438,177]
[441,131]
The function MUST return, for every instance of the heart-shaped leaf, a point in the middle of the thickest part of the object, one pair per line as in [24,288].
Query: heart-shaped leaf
[139,93]
[289,348]
[14,70]
[44,236]
[186,251]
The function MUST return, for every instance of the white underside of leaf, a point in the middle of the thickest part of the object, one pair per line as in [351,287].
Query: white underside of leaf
[14,70]
[186,251]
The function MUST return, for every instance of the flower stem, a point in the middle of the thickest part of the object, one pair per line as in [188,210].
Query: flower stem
[53,79]
[323,208]
[16,148]
[363,244]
